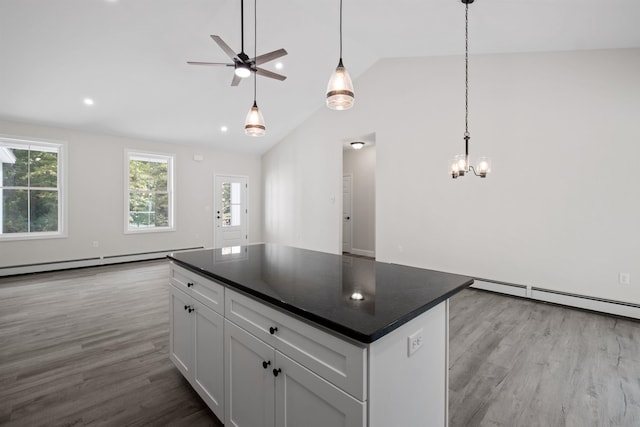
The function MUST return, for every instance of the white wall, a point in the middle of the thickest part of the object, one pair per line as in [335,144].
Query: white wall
[361,165]
[302,182]
[96,200]
[561,209]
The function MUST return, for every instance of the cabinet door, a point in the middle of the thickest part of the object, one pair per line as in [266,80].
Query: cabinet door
[303,399]
[208,367]
[180,331]
[249,379]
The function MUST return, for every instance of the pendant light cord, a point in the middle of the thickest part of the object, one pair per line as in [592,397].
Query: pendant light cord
[242,26]
[466,70]
[340,30]
[255,45]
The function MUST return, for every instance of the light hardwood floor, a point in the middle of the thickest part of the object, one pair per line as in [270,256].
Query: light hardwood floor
[516,362]
[89,347]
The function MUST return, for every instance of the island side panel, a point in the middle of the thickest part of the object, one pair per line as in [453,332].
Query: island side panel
[411,390]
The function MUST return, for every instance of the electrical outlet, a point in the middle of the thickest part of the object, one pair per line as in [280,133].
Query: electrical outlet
[414,342]
[624,278]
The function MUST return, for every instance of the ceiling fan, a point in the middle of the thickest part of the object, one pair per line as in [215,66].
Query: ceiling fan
[242,64]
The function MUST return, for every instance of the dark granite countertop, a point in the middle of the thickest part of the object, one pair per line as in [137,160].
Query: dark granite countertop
[318,286]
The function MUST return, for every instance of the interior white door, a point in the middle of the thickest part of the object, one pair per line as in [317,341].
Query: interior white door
[347,201]
[231,213]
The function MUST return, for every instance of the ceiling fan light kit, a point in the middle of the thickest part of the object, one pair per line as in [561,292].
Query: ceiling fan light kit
[242,70]
[460,163]
[340,95]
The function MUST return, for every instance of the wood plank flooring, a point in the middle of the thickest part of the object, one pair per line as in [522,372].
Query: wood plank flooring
[516,362]
[90,347]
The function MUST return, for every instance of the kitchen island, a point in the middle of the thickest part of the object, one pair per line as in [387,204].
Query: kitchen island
[271,335]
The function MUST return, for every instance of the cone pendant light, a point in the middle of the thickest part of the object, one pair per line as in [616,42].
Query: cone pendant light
[340,94]
[254,123]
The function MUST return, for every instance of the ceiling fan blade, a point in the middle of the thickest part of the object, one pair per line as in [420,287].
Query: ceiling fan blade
[265,73]
[209,63]
[236,80]
[225,47]
[261,59]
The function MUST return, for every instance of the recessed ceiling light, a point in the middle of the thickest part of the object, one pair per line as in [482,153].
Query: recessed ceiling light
[223,128]
[279,66]
[88,101]
[357,296]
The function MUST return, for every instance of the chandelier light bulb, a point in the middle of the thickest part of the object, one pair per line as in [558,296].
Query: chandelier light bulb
[483,166]
[461,160]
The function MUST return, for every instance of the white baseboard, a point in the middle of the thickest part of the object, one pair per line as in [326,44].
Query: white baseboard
[363,252]
[87,262]
[617,308]
[502,288]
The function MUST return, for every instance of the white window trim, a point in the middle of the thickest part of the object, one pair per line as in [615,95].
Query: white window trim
[171,159]
[61,146]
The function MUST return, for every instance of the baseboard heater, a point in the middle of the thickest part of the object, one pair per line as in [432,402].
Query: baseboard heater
[87,262]
[617,308]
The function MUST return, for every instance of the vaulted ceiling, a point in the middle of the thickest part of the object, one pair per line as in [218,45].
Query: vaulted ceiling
[129,56]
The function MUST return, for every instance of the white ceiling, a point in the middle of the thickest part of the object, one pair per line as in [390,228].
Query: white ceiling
[130,56]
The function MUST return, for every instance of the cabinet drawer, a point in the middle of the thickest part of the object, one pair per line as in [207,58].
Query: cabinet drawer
[204,290]
[338,361]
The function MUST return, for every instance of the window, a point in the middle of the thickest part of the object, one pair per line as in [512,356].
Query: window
[30,189]
[231,204]
[149,194]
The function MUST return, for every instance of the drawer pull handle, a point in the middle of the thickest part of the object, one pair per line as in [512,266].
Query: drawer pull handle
[265,364]
[273,330]
[190,284]
[276,372]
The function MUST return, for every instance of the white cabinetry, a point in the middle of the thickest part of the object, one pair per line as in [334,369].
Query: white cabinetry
[256,366]
[260,379]
[196,335]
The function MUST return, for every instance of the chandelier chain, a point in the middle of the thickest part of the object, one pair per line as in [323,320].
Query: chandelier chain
[466,70]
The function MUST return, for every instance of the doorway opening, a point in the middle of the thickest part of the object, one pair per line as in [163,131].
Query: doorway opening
[358,197]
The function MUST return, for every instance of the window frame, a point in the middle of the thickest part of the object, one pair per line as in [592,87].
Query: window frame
[170,159]
[62,148]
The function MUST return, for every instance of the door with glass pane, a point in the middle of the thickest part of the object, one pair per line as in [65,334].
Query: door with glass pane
[230,211]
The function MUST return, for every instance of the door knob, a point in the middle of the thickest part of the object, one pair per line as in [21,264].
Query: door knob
[276,372]
[273,330]
[265,364]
